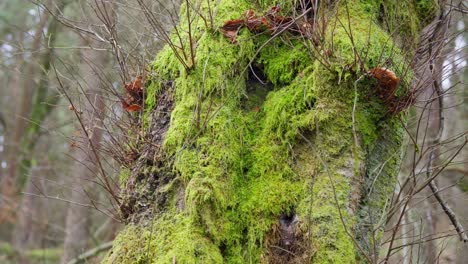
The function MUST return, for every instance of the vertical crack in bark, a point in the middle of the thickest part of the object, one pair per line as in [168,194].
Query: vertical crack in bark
[151,169]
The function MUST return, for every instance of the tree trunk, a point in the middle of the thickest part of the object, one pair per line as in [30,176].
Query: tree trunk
[32,111]
[445,75]
[30,229]
[296,170]
[26,232]
[8,186]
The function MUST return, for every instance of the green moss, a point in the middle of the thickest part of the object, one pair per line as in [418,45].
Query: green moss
[283,61]
[241,168]
[426,9]
[403,19]
[44,255]
[463,184]
[6,249]
[123,176]
[319,209]
[150,244]
[286,5]
[378,174]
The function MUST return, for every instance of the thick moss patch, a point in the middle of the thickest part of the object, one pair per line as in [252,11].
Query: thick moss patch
[245,158]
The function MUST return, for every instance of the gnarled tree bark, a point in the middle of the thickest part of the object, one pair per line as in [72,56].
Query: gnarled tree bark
[279,148]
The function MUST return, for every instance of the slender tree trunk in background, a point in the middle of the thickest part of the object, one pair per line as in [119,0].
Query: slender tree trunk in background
[425,217]
[11,103]
[13,142]
[8,187]
[29,231]
[40,106]
[297,171]
[455,124]
[43,101]
[428,112]
[86,168]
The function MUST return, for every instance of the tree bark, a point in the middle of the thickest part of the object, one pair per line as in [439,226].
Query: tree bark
[24,83]
[238,171]
[32,110]
[30,229]
[25,233]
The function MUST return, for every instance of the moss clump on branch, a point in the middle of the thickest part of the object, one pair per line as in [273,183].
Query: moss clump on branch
[403,19]
[151,244]
[241,168]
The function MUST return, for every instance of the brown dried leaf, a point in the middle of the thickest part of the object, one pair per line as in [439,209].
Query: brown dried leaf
[387,78]
[271,22]
[258,24]
[131,107]
[231,28]
[134,95]
[135,86]
[388,83]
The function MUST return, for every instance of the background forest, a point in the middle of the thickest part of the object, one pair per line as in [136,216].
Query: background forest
[68,123]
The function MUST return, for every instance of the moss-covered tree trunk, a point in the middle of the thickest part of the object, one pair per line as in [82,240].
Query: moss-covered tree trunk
[272,149]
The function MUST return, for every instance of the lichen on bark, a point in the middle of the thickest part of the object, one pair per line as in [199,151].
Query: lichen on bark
[239,155]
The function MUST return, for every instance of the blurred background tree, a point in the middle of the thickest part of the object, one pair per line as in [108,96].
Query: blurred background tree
[49,192]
